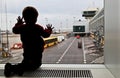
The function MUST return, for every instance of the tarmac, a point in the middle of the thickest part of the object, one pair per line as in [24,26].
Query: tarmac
[15,56]
[91,53]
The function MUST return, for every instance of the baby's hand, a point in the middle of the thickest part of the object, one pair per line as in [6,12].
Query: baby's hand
[20,20]
[49,26]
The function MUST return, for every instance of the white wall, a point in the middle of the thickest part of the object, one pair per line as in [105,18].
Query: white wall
[112,36]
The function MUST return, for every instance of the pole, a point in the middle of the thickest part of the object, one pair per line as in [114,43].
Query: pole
[1,40]
[6,27]
[84,53]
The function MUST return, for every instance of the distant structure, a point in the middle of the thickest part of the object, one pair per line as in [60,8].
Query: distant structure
[97,22]
[81,28]
[89,13]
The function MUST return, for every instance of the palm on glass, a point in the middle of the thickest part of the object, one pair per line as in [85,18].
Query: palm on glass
[49,26]
[20,20]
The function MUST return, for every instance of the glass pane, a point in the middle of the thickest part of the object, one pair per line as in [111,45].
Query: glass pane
[77,37]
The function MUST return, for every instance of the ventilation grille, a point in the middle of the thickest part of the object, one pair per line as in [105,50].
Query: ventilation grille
[60,73]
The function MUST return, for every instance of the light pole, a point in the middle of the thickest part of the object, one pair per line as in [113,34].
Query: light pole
[46,19]
[5,50]
[0,27]
[74,19]
[66,23]
[6,26]
[60,27]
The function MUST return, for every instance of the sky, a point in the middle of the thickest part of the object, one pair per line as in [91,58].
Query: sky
[59,13]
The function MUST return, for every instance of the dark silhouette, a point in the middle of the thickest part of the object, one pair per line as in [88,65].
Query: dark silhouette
[33,45]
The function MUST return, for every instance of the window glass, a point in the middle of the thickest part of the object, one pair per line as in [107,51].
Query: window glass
[77,37]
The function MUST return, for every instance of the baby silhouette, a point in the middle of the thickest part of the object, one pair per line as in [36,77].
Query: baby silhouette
[31,35]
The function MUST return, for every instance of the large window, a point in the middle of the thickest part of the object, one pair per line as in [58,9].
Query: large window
[66,17]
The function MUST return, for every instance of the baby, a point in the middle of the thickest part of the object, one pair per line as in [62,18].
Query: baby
[31,35]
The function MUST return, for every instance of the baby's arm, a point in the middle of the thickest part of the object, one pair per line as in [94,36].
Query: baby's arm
[16,28]
[48,30]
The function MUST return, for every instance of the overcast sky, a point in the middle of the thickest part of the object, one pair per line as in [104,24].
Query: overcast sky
[60,13]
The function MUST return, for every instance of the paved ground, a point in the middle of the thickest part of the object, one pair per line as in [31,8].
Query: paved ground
[63,52]
[91,52]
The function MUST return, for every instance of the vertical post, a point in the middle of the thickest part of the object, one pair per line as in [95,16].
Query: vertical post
[66,23]
[84,53]
[74,20]
[7,47]
[60,27]
[1,41]
[46,19]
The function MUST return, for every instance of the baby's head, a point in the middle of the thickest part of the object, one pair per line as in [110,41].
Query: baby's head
[30,15]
